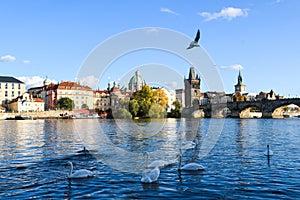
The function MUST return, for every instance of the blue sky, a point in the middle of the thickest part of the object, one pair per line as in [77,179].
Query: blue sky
[53,38]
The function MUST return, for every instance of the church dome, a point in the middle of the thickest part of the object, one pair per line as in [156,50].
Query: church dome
[136,82]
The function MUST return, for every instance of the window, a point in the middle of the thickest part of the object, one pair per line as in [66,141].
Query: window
[19,86]
[6,86]
[6,94]
[19,93]
[0,85]
[12,86]
[13,93]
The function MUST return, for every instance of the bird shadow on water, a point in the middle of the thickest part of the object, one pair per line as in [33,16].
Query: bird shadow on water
[150,186]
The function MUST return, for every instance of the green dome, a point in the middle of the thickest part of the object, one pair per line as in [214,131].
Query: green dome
[137,79]
[136,82]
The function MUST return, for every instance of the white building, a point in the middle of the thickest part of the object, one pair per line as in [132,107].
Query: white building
[180,96]
[10,88]
[171,94]
[83,96]
[26,103]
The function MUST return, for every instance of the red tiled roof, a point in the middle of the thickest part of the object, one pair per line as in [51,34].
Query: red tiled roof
[101,91]
[38,100]
[72,86]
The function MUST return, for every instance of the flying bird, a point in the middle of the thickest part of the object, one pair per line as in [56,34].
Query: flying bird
[195,42]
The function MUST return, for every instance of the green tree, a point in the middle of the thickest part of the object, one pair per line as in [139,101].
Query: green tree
[65,103]
[121,113]
[156,111]
[84,106]
[134,107]
[176,112]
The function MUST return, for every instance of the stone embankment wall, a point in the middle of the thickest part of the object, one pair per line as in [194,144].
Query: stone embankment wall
[36,115]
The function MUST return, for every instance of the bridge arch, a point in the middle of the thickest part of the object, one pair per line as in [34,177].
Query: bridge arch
[288,110]
[251,112]
[272,107]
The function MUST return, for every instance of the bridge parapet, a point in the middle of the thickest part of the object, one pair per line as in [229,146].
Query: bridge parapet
[267,107]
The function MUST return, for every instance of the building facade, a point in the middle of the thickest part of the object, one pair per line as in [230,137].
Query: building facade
[26,103]
[10,88]
[101,100]
[82,96]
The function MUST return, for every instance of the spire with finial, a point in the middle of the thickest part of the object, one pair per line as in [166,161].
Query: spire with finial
[240,79]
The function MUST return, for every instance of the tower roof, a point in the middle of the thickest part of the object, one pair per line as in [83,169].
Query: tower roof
[192,73]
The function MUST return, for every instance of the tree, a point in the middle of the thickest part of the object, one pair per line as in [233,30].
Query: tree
[156,111]
[65,103]
[160,98]
[134,107]
[121,113]
[84,106]
[176,112]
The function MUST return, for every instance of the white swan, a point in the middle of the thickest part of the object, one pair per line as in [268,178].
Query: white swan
[268,152]
[150,175]
[157,163]
[190,166]
[188,145]
[82,173]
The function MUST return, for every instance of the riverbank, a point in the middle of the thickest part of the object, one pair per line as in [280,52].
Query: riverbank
[36,115]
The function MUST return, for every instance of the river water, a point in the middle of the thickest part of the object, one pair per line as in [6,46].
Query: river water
[33,154]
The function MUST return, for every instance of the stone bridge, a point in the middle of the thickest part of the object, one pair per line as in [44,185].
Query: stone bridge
[234,109]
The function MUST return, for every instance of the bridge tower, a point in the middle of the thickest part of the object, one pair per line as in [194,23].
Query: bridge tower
[240,87]
[192,89]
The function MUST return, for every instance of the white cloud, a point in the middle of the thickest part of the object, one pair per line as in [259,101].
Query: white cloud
[34,81]
[226,13]
[90,81]
[233,67]
[167,10]
[7,58]
[26,62]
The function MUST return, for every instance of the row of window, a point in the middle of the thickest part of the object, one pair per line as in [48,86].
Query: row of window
[12,86]
[12,93]
[75,93]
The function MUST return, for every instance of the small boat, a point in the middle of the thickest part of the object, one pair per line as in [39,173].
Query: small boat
[19,117]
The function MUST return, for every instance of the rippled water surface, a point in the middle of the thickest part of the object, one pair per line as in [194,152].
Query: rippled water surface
[33,154]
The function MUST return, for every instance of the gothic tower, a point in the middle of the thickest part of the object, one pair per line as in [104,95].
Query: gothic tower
[192,89]
[240,87]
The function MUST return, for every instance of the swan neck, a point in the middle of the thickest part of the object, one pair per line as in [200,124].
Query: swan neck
[179,163]
[71,169]
[147,158]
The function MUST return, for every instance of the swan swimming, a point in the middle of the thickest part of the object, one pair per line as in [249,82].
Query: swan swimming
[195,42]
[188,145]
[157,163]
[82,173]
[150,176]
[268,152]
[189,166]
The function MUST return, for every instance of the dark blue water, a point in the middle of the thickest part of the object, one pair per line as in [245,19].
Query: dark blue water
[33,154]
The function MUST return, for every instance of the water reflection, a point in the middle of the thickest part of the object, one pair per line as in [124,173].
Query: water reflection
[33,154]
